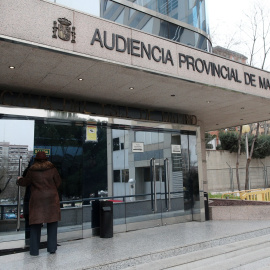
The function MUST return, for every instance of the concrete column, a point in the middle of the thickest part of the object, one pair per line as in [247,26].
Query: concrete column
[109,162]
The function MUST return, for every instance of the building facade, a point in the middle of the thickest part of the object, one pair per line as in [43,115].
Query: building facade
[121,94]
[238,57]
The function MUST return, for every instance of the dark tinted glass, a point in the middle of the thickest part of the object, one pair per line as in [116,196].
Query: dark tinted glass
[95,166]
[64,141]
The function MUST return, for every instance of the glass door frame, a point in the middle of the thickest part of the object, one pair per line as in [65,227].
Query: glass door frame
[164,218]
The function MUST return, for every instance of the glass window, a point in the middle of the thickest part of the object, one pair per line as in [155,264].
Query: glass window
[122,146]
[149,26]
[164,29]
[120,18]
[190,11]
[116,176]
[138,20]
[116,145]
[175,32]
[125,176]
[146,173]
[162,7]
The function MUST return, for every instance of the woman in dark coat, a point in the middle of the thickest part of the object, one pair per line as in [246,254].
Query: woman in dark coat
[44,205]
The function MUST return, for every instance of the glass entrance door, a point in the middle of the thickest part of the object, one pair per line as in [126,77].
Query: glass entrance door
[173,196]
[155,158]
[147,178]
[145,172]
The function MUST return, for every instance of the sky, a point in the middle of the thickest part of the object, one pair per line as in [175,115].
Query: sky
[225,19]
[20,132]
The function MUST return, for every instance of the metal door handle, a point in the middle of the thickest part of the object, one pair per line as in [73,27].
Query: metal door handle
[153,184]
[167,184]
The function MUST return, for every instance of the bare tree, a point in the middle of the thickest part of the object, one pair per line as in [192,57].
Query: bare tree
[256,31]
[237,158]
[3,175]
[252,33]
[265,35]
[250,156]
[258,34]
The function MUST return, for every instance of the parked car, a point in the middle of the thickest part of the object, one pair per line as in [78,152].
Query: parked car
[10,215]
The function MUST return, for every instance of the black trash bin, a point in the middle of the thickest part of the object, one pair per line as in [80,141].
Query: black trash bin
[206,206]
[95,218]
[106,219]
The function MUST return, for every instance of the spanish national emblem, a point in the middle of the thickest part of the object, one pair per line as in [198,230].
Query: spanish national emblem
[64,30]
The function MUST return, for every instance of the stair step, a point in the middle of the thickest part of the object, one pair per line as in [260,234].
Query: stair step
[220,257]
[239,258]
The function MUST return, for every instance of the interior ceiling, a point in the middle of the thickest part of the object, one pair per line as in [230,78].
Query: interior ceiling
[45,72]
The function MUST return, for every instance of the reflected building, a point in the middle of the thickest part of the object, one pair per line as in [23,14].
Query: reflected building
[9,167]
[181,21]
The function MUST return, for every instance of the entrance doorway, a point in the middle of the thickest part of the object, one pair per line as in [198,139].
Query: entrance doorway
[149,173]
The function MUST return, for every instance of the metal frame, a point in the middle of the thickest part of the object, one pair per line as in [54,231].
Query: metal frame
[7,112]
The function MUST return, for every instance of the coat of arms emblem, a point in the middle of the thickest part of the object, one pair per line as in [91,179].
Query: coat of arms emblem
[64,30]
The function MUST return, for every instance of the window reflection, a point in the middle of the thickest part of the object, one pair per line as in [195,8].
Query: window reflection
[190,172]
[191,11]
[142,21]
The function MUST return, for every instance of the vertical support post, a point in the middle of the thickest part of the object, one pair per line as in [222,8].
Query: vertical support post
[2,212]
[19,197]
[151,178]
[165,183]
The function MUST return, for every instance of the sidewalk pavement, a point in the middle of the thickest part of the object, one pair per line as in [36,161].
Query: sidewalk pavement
[138,247]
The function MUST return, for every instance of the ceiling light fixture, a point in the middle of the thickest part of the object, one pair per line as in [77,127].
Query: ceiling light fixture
[80,79]
[11,67]
[131,88]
